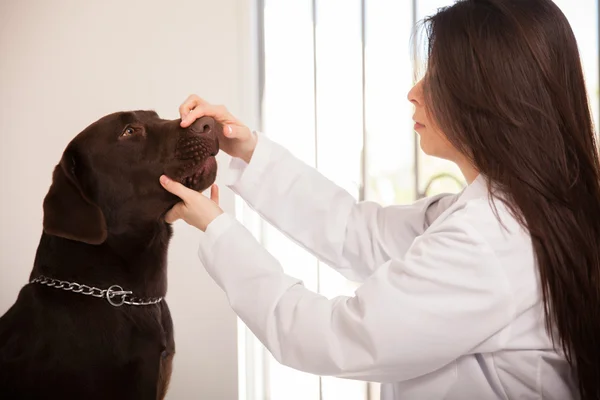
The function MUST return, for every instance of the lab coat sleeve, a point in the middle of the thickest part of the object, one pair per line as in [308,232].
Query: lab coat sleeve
[409,318]
[352,237]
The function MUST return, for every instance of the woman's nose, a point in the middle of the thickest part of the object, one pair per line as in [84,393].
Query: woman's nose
[414,94]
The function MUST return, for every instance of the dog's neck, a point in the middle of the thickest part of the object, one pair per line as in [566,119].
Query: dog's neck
[135,263]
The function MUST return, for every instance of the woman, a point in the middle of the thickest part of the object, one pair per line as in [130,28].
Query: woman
[493,293]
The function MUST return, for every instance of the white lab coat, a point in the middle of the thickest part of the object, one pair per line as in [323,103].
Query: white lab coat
[449,305]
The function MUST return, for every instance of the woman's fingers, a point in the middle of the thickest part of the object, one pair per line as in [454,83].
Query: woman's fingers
[194,107]
[193,101]
[214,193]
[200,111]
[175,213]
[196,209]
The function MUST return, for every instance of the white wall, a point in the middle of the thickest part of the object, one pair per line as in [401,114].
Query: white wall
[65,63]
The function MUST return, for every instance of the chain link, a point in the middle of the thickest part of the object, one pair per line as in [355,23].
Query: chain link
[115,295]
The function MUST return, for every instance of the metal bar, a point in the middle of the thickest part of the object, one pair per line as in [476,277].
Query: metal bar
[315,99]
[261,93]
[363,167]
[260,16]
[261,60]
[314,27]
[316,135]
[416,139]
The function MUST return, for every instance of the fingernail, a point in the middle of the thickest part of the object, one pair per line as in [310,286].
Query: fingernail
[229,130]
[164,180]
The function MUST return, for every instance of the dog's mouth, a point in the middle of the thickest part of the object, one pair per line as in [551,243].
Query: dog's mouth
[201,176]
[197,164]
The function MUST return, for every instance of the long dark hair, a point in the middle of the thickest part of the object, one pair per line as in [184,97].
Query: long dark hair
[505,84]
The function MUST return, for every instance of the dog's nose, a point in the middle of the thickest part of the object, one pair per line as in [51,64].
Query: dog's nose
[204,125]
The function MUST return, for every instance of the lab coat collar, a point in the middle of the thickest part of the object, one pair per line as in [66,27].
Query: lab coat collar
[476,189]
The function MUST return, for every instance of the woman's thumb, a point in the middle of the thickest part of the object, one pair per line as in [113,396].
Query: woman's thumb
[235,131]
[229,131]
[239,132]
[174,187]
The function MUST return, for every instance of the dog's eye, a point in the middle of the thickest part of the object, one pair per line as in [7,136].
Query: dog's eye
[128,131]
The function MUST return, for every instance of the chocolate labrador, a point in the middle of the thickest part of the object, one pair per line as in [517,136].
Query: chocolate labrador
[92,323]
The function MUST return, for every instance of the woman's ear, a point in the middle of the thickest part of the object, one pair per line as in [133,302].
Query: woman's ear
[68,212]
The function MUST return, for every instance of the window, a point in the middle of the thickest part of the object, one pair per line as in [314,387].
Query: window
[336,74]
[583,17]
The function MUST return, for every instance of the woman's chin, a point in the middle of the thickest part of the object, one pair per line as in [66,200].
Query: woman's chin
[426,148]
[437,149]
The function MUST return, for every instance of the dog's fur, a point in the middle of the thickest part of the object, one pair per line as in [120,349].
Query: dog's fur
[104,225]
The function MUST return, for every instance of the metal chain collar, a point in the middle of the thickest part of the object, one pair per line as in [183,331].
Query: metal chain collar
[115,294]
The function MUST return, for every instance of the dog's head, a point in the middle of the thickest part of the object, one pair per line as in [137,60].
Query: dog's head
[107,180]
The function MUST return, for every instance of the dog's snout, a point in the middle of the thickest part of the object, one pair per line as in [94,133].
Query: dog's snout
[207,127]
[199,141]
[204,125]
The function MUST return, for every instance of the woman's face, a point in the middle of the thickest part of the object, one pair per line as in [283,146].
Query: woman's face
[432,140]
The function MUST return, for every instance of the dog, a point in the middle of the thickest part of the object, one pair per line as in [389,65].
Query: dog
[92,322]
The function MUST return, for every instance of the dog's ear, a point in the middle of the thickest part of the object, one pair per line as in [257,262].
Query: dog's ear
[68,212]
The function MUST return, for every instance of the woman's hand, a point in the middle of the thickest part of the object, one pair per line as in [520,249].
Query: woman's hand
[236,139]
[195,208]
